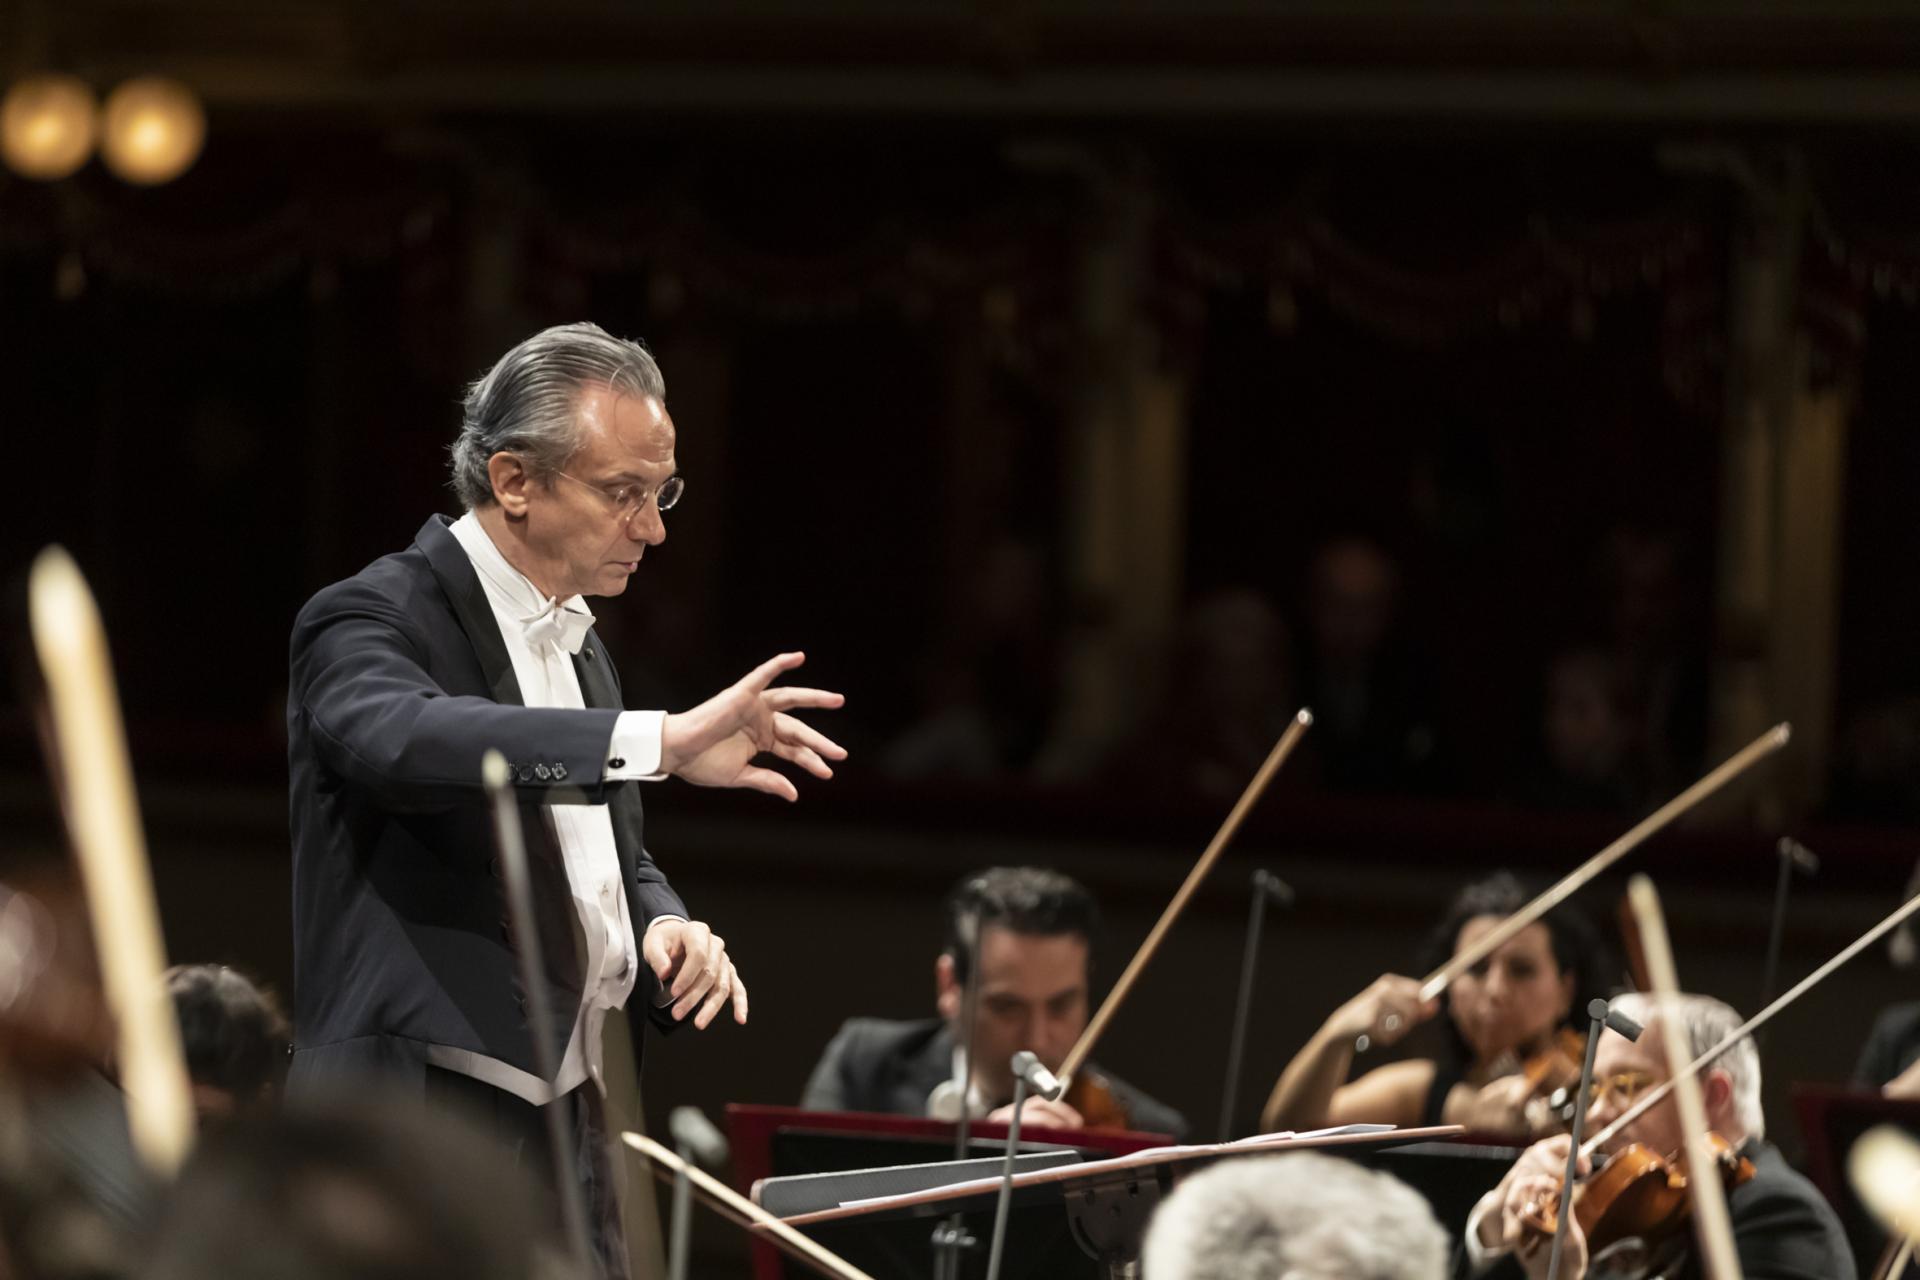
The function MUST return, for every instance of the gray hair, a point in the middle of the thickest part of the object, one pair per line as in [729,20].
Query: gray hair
[1707,1022]
[1303,1216]
[525,403]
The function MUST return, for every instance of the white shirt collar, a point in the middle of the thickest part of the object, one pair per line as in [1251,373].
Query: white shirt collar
[505,582]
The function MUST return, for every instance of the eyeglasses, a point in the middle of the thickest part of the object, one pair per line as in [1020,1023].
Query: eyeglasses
[1626,1086]
[629,500]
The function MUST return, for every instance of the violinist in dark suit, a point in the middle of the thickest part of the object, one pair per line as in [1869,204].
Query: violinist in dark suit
[477,636]
[1036,930]
[1782,1228]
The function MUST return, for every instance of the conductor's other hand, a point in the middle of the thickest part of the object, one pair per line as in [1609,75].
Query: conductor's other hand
[1051,1115]
[1387,1010]
[695,973]
[715,743]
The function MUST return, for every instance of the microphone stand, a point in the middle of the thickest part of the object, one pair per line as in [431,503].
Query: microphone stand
[695,1141]
[951,1238]
[679,1235]
[1601,1016]
[1793,855]
[526,945]
[1025,1066]
[1266,886]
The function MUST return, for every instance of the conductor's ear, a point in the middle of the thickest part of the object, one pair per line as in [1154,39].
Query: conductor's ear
[510,480]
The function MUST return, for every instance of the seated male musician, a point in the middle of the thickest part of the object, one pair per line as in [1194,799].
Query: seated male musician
[1782,1228]
[1036,930]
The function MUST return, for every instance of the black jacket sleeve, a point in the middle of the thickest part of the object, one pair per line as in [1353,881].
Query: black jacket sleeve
[379,720]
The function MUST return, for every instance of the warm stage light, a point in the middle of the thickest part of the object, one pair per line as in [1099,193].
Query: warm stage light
[47,125]
[154,128]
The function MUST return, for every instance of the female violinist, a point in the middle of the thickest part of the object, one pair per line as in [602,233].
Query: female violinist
[1503,1011]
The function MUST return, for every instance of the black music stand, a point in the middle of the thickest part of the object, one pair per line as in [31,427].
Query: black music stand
[1109,1202]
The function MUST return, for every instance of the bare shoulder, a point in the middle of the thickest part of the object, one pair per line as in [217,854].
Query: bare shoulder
[1392,1094]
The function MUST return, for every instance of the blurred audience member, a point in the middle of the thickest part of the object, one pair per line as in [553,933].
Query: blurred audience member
[1660,650]
[988,690]
[1588,733]
[368,1193]
[1877,764]
[234,1035]
[1228,694]
[1303,1214]
[1371,729]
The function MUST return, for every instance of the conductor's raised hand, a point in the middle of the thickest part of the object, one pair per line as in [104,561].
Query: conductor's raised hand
[715,743]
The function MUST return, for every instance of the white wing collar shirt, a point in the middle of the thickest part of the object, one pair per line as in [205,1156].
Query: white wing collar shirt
[541,635]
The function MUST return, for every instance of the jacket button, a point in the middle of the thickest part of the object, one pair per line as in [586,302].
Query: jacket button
[559,772]
[618,762]
[526,773]
[541,772]
[587,653]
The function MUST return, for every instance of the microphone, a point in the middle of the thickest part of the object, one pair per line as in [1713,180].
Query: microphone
[1803,858]
[696,1136]
[1032,1072]
[1605,1014]
[1277,891]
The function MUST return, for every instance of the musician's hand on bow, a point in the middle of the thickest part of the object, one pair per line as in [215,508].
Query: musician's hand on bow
[1053,1115]
[1385,1012]
[1535,1252]
[1904,1085]
[714,744]
[695,973]
[1534,1182]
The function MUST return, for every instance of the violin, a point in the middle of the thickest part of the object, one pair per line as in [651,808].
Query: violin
[1092,1095]
[1637,1196]
[1553,1077]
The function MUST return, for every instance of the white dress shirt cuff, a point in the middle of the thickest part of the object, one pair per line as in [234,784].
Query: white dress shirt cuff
[633,755]
[1481,1256]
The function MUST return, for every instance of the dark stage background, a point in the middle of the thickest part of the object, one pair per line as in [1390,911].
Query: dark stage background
[1084,389]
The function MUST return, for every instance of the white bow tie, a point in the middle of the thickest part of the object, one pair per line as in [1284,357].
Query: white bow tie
[565,625]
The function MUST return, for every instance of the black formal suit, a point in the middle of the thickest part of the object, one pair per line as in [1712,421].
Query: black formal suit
[877,1064]
[400,683]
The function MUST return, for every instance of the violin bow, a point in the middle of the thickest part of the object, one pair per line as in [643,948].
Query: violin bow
[739,1210]
[1713,1226]
[94,777]
[1498,936]
[1653,1096]
[1884,1167]
[1289,739]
